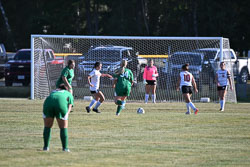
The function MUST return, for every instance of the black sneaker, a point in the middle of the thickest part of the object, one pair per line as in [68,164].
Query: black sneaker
[88,109]
[96,110]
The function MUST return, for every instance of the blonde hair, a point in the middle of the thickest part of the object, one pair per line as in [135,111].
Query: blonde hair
[122,68]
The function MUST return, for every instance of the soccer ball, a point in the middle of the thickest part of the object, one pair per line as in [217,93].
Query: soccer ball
[140,111]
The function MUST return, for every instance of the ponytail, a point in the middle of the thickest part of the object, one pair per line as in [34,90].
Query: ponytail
[122,68]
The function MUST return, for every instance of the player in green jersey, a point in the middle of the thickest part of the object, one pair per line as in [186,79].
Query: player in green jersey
[67,76]
[123,81]
[58,104]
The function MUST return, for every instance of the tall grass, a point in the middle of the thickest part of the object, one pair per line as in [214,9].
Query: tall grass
[163,136]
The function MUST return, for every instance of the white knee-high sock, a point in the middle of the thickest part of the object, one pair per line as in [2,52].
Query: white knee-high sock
[153,96]
[92,103]
[222,104]
[97,105]
[192,106]
[146,98]
[188,107]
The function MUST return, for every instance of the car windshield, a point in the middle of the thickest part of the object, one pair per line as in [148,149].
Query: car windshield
[103,55]
[179,59]
[208,54]
[23,55]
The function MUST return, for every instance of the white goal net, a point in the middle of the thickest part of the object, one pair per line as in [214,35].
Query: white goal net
[169,53]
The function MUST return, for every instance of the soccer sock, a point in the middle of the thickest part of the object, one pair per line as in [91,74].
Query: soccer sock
[123,104]
[153,96]
[64,137]
[92,103]
[119,107]
[46,136]
[97,105]
[222,104]
[192,106]
[188,107]
[146,98]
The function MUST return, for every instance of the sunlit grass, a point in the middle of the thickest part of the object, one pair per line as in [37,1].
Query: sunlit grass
[163,136]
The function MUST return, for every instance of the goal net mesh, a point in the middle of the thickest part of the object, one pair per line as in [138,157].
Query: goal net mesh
[168,53]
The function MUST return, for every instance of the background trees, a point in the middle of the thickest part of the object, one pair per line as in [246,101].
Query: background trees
[227,18]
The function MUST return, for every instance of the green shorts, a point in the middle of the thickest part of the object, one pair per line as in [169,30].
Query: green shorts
[52,110]
[123,92]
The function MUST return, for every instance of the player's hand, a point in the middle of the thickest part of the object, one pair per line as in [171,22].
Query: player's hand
[231,88]
[178,88]
[91,85]
[144,82]
[196,90]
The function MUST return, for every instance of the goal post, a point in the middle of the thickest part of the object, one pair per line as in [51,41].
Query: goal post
[168,53]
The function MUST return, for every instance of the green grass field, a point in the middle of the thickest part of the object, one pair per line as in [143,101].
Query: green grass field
[163,136]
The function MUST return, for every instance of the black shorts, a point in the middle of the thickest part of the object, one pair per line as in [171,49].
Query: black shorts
[93,92]
[186,89]
[221,88]
[151,82]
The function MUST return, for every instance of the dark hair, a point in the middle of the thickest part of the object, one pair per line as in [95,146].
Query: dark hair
[70,62]
[97,64]
[185,67]
[62,86]
[222,62]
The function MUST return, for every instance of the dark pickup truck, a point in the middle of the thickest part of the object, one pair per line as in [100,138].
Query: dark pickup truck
[18,69]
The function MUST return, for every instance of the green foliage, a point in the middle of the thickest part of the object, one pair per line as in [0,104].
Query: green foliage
[127,17]
[163,136]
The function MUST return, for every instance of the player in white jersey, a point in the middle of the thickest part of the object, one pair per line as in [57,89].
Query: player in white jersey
[94,84]
[185,81]
[222,79]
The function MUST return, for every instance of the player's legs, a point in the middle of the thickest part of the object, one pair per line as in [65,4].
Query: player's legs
[120,101]
[153,94]
[189,102]
[63,125]
[48,123]
[101,98]
[222,94]
[147,90]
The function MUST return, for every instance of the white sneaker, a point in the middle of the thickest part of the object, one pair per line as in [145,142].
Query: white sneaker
[66,150]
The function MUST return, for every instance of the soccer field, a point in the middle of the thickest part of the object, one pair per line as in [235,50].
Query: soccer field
[163,136]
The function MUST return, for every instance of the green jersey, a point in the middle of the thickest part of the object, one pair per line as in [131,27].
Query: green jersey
[56,104]
[124,83]
[68,73]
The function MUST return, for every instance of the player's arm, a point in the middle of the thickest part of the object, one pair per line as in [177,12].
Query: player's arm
[114,82]
[69,108]
[66,82]
[178,83]
[88,78]
[229,80]
[156,74]
[106,75]
[194,84]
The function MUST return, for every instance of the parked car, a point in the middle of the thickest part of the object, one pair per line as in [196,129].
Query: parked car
[110,57]
[241,66]
[18,69]
[198,66]
[3,60]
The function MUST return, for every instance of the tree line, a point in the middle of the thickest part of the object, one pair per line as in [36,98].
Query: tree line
[203,18]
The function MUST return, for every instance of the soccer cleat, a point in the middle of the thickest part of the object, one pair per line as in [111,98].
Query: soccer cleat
[221,109]
[117,114]
[196,111]
[96,110]
[45,148]
[66,150]
[188,113]
[88,109]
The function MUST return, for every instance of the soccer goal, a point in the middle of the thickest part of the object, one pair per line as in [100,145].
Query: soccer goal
[169,53]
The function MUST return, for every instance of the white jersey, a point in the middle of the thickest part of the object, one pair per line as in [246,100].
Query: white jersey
[222,77]
[186,78]
[95,79]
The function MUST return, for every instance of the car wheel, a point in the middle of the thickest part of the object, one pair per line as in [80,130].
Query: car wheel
[243,76]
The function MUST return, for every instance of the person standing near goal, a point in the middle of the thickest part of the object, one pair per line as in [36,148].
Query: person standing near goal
[94,83]
[185,81]
[58,104]
[222,79]
[67,76]
[123,81]
[149,79]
